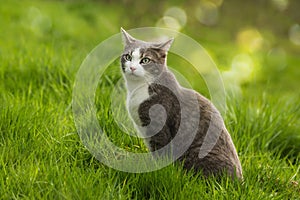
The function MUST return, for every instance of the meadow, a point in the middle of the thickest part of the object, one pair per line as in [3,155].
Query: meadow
[42,45]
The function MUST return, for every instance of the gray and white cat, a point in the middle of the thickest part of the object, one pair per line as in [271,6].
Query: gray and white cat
[160,108]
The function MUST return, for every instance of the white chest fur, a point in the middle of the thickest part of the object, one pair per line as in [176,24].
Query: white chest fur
[134,100]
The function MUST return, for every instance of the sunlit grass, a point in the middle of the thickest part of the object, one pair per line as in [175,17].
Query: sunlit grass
[42,157]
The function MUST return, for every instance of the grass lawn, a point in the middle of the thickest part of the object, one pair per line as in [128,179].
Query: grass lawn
[42,45]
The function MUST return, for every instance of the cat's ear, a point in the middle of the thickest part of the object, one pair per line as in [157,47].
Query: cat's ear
[127,39]
[164,45]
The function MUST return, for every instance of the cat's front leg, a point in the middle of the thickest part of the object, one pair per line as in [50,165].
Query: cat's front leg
[159,142]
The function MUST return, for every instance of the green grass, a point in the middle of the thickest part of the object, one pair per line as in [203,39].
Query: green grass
[41,155]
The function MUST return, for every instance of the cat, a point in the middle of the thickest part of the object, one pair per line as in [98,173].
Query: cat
[160,108]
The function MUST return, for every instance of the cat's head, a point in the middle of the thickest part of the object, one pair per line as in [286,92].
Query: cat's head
[143,60]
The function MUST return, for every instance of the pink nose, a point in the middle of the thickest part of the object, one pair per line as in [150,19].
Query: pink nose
[132,68]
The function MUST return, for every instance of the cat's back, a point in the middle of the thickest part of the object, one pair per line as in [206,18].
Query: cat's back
[212,150]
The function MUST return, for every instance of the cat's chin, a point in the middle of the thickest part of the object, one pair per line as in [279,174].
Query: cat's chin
[134,77]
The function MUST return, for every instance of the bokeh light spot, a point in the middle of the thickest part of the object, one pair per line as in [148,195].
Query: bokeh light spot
[217,2]
[242,65]
[294,34]
[241,71]
[281,5]
[169,22]
[178,14]
[207,13]
[174,18]
[250,40]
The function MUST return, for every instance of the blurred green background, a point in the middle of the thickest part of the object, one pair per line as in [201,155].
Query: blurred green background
[256,44]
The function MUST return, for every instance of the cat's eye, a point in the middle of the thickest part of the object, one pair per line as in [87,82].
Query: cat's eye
[145,60]
[127,57]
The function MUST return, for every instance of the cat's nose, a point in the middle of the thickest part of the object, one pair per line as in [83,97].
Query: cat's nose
[132,68]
